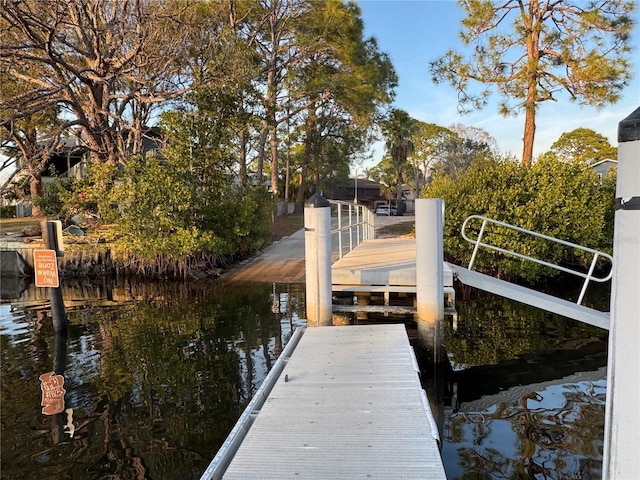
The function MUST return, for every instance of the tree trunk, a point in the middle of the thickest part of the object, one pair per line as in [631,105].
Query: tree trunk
[242,160]
[400,162]
[273,142]
[399,195]
[307,155]
[286,176]
[529,134]
[301,189]
[35,191]
[533,26]
[261,149]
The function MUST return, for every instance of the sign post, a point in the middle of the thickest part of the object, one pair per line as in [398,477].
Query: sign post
[46,268]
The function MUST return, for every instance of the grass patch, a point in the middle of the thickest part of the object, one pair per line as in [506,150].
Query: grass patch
[285,225]
[295,221]
[398,229]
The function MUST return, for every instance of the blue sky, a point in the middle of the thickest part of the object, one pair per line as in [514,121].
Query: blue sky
[415,32]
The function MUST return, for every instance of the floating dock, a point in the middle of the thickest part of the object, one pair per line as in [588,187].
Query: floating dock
[383,266]
[347,404]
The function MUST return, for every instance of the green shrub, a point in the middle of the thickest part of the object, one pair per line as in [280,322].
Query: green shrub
[167,212]
[561,200]
[90,196]
[52,201]
[8,211]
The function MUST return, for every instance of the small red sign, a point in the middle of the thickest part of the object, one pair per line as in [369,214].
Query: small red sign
[46,268]
[53,391]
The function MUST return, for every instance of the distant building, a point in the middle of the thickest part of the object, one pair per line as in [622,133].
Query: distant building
[367,194]
[603,166]
[70,158]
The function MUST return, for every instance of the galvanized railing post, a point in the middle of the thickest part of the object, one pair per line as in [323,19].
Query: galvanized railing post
[588,277]
[478,243]
[477,246]
[339,228]
[359,230]
[358,224]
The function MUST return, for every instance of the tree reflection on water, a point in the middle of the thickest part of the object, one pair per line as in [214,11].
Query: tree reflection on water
[155,383]
[526,394]
[524,439]
[157,375]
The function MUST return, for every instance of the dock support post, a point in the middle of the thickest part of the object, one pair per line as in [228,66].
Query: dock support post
[52,239]
[622,420]
[362,298]
[317,255]
[429,276]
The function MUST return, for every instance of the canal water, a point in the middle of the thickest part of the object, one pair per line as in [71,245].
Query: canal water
[155,376]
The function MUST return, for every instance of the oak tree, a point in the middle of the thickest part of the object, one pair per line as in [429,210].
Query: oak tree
[429,143]
[105,64]
[583,145]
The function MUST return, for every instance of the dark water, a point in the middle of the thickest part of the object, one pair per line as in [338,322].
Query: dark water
[156,376]
[155,381]
[525,396]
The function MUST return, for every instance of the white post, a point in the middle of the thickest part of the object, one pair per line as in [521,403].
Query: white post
[317,255]
[621,457]
[355,196]
[429,217]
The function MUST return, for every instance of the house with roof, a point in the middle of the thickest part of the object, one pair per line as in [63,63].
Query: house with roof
[358,190]
[70,159]
[603,166]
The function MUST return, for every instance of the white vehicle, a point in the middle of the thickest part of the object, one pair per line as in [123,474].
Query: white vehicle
[386,210]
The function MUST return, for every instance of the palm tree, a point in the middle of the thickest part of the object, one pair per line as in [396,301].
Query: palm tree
[397,130]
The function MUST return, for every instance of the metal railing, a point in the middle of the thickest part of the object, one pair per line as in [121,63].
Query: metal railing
[353,221]
[587,276]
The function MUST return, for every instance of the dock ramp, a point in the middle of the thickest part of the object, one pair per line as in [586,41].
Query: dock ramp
[531,297]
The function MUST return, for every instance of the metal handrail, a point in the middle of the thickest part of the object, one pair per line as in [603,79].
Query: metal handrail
[359,225]
[587,276]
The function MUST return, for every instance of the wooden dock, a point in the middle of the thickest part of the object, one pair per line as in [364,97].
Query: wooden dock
[348,404]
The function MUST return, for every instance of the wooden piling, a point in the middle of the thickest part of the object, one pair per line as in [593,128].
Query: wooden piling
[52,237]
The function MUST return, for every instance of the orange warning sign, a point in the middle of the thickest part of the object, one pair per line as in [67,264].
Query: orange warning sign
[46,268]
[53,391]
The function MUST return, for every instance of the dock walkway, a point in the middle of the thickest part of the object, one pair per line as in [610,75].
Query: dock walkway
[383,266]
[348,404]
[388,261]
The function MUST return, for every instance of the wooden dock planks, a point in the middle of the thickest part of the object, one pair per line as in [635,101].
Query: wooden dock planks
[351,407]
